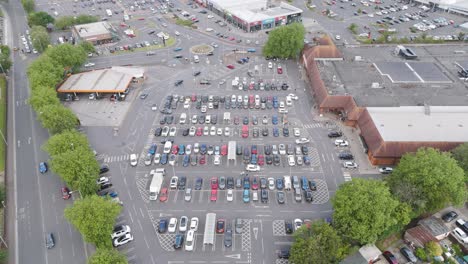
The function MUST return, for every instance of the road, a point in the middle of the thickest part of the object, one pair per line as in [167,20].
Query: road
[34,200]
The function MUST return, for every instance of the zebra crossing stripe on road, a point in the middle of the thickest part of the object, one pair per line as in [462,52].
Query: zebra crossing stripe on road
[313,125]
[118,158]
[347,176]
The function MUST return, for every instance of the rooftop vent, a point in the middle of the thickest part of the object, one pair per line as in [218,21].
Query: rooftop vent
[410,125]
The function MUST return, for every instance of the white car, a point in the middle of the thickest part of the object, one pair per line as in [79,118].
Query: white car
[283,111]
[291,160]
[186,105]
[209,29]
[337,37]
[213,130]
[350,165]
[297,224]
[172,132]
[165,131]
[192,131]
[297,132]
[174,181]
[207,119]
[89,64]
[203,109]
[188,149]
[154,107]
[196,148]
[271,183]
[189,240]
[302,140]
[183,224]
[122,240]
[233,98]
[194,223]
[219,131]
[120,231]
[133,160]
[252,167]
[206,131]
[177,33]
[386,170]
[227,131]
[194,119]
[230,195]
[217,160]
[102,180]
[172,225]
[270,65]
[293,96]
[341,143]
[209,16]
[458,233]
[157,158]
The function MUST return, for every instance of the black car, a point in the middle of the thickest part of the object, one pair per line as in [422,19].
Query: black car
[105,186]
[245,121]
[169,119]
[450,216]
[178,82]
[179,241]
[214,119]
[285,132]
[50,241]
[305,150]
[267,149]
[276,160]
[104,168]
[201,119]
[239,150]
[162,227]
[198,183]
[265,132]
[228,237]
[162,120]
[308,196]
[312,185]
[185,132]
[264,196]
[205,82]
[280,197]
[288,227]
[230,183]
[178,56]
[196,73]
[268,159]
[283,254]
[345,156]
[181,183]
[334,134]
[158,132]
[263,183]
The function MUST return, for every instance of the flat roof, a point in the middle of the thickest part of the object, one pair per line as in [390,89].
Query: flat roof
[255,10]
[100,81]
[93,29]
[413,124]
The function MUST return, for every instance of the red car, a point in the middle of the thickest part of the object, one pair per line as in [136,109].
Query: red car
[65,193]
[220,226]
[279,70]
[255,183]
[214,195]
[163,195]
[230,66]
[194,98]
[261,160]
[214,183]
[202,159]
[199,131]
[175,149]
[251,86]
[390,257]
[224,150]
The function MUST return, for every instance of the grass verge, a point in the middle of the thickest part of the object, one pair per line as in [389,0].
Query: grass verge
[169,42]
[2,121]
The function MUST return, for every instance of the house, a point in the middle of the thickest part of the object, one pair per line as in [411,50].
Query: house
[366,254]
[428,229]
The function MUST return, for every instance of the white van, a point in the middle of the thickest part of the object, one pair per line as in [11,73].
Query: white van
[287,183]
[183,118]
[167,147]
[196,59]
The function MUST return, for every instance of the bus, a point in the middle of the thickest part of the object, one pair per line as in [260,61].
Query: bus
[210,225]
[109,12]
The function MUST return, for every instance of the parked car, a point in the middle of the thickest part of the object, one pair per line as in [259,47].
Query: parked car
[408,254]
[450,216]
[390,257]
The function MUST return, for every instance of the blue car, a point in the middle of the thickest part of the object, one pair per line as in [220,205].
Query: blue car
[306,160]
[279,184]
[251,50]
[304,183]
[246,182]
[162,226]
[203,149]
[274,119]
[246,196]
[178,49]
[42,167]
[152,149]
[253,159]
[275,132]
[186,160]
[164,159]
[275,104]
[181,149]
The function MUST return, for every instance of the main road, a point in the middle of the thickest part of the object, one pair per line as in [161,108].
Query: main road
[34,203]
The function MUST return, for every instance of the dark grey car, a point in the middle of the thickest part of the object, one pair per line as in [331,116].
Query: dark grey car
[228,237]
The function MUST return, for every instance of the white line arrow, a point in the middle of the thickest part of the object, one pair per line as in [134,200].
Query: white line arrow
[236,256]
[255,230]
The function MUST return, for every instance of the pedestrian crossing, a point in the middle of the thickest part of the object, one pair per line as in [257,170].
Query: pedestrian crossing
[347,176]
[313,125]
[117,158]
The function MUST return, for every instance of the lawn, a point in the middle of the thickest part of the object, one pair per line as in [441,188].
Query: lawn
[2,122]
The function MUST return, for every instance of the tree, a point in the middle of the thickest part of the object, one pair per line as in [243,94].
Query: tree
[40,19]
[42,96]
[78,168]
[65,141]
[460,154]
[88,47]
[64,22]
[67,55]
[353,28]
[84,19]
[285,42]
[433,249]
[107,256]
[57,118]
[40,38]
[461,36]
[28,5]
[428,180]
[4,49]
[5,63]
[43,72]
[364,209]
[319,242]
[94,217]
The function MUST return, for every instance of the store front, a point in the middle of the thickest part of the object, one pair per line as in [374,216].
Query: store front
[268,23]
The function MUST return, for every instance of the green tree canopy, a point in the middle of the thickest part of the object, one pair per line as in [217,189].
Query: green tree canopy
[66,141]
[88,47]
[67,55]
[428,180]
[460,154]
[40,38]
[433,249]
[285,42]
[28,5]
[107,256]
[42,96]
[57,118]
[94,217]
[65,22]
[364,209]
[40,19]
[43,72]
[78,168]
[5,62]
[319,242]
[5,50]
